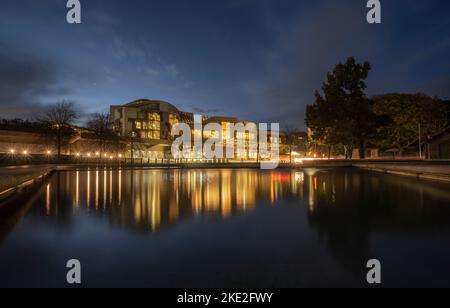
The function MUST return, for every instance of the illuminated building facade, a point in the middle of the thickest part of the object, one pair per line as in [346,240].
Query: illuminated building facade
[149,122]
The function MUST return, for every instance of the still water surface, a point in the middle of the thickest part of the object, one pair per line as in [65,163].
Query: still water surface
[228,228]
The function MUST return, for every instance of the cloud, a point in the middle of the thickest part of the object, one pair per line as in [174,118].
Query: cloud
[26,82]
[165,71]
[306,50]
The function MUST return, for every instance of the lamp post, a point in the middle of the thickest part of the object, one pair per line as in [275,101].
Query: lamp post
[420,141]
[133,135]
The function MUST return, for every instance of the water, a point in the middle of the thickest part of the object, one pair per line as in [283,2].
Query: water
[228,228]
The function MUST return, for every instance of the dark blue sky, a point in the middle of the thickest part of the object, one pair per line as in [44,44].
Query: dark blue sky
[256,59]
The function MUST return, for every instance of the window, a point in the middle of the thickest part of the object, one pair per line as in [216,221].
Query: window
[173,120]
[154,117]
[150,127]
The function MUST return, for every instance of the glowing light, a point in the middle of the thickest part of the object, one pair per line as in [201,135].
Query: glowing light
[49,152]
[110,157]
[78,154]
[12,151]
[298,161]
[105,155]
[89,154]
[25,152]
[97,153]
[120,155]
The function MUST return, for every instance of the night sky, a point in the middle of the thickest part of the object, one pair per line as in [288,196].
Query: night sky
[255,59]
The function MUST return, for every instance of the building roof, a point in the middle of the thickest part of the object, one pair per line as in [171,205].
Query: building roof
[218,119]
[445,132]
[156,105]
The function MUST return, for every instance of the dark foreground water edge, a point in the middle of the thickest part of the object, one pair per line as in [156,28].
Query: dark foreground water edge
[228,228]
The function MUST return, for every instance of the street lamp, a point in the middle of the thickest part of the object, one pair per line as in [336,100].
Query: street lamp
[133,136]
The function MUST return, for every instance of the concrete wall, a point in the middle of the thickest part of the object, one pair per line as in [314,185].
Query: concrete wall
[31,142]
[39,144]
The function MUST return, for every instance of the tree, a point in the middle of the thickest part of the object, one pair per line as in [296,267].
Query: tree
[411,117]
[100,125]
[343,114]
[291,139]
[61,117]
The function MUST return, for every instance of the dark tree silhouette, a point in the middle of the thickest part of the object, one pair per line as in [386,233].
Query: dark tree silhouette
[61,117]
[343,114]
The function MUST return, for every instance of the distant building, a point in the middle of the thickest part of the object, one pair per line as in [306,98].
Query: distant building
[439,146]
[141,128]
[248,137]
[150,123]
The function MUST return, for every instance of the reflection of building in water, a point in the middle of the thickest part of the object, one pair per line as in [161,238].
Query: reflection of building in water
[246,190]
[345,208]
[148,200]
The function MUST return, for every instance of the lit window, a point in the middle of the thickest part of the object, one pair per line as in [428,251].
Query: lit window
[173,120]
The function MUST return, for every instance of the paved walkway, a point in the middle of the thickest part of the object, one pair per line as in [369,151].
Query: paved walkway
[427,172]
[12,177]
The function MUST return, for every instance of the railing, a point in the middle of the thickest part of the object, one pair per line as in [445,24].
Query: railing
[9,159]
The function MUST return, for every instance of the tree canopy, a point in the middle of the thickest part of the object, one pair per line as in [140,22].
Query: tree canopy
[343,115]
[408,114]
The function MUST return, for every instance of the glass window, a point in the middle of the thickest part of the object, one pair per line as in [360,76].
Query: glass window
[151,127]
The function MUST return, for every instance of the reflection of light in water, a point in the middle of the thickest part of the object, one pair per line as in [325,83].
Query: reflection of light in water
[212,192]
[246,185]
[297,179]
[88,190]
[110,187]
[104,189]
[226,193]
[155,198]
[137,208]
[47,199]
[333,196]
[156,204]
[96,190]
[311,194]
[310,171]
[120,187]
[197,196]
[276,185]
[174,210]
[147,202]
[77,190]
